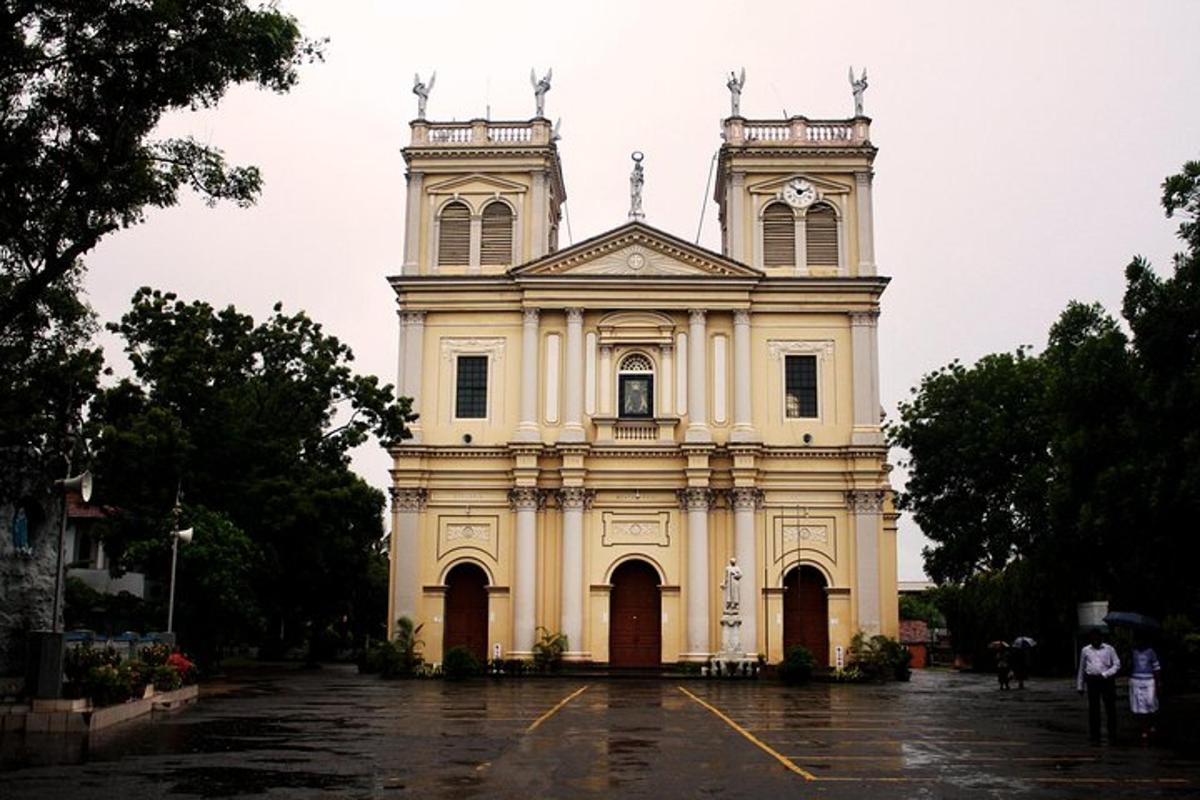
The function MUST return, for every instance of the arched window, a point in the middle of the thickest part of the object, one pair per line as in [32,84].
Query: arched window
[496,244]
[779,236]
[454,235]
[822,236]
[635,383]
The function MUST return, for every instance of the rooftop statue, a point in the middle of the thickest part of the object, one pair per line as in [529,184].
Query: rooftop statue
[636,181]
[735,85]
[422,92]
[539,89]
[859,86]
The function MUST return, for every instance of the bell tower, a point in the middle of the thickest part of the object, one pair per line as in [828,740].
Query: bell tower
[795,195]
[483,195]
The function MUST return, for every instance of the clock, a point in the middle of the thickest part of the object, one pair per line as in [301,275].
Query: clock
[799,193]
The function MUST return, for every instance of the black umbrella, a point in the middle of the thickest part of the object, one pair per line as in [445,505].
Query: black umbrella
[1131,619]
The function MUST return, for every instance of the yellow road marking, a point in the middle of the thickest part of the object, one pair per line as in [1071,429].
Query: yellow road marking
[808,776]
[534,725]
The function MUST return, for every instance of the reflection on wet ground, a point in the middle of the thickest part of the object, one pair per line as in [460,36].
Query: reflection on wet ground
[332,733]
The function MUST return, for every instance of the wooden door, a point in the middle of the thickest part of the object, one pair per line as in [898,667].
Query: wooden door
[635,617]
[806,613]
[467,611]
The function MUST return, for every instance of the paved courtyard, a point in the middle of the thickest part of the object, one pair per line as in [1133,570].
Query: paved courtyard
[334,734]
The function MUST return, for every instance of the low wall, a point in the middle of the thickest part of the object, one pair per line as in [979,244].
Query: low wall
[76,716]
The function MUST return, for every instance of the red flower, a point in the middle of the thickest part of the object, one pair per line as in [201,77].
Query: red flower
[180,663]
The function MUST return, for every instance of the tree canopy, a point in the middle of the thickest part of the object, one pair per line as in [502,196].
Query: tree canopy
[83,85]
[1076,471]
[255,422]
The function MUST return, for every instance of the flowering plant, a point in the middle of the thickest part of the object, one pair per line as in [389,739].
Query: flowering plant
[185,668]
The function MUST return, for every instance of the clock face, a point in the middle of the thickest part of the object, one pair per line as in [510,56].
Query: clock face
[799,193]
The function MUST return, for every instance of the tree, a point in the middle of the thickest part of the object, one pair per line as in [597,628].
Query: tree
[83,84]
[977,443]
[254,421]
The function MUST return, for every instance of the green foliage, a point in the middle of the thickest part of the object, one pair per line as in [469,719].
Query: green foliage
[81,660]
[459,663]
[797,666]
[407,644]
[255,421]
[548,650]
[921,607]
[83,87]
[880,658]
[155,655]
[165,678]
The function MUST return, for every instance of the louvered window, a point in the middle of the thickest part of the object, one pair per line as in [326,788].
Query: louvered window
[496,245]
[470,401]
[800,386]
[454,236]
[779,236]
[822,236]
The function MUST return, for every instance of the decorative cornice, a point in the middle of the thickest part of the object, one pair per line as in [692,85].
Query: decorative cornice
[866,501]
[695,499]
[412,317]
[575,497]
[746,498]
[526,498]
[864,318]
[780,347]
[408,499]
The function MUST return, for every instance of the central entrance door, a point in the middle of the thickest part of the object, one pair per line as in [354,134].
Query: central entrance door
[806,613]
[467,611]
[635,617]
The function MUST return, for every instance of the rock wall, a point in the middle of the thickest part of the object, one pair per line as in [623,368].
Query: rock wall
[26,580]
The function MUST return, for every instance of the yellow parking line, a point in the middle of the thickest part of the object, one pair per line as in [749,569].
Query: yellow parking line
[808,776]
[534,725]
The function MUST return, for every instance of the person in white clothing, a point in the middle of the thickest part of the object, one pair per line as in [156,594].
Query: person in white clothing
[1098,667]
[1144,672]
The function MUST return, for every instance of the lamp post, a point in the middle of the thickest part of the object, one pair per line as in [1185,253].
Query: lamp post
[81,483]
[176,536]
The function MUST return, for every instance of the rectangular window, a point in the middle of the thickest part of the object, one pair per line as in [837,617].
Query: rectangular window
[637,395]
[470,401]
[800,386]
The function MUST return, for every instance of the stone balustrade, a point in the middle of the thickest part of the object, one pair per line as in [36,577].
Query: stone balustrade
[798,131]
[480,132]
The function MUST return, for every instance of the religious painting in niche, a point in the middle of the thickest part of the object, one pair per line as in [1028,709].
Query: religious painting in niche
[637,395]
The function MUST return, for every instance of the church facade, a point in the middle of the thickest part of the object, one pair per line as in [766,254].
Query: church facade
[603,426]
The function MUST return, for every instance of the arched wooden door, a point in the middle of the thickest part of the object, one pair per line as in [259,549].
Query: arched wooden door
[467,610]
[806,613]
[635,617]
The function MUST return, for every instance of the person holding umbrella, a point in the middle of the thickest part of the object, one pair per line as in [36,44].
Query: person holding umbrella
[1020,659]
[1098,668]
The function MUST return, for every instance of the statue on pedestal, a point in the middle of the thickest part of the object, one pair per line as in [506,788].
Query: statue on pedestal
[636,181]
[422,91]
[539,89]
[735,85]
[859,87]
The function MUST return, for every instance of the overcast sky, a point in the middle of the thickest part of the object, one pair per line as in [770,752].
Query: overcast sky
[1021,150]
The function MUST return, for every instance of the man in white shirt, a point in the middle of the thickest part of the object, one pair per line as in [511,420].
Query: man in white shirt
[1098,667]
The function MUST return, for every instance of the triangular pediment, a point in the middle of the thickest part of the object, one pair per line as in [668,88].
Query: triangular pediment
[775,185]
[636,250]
[475,183]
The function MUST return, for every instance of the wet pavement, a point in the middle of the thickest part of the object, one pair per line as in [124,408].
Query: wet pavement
[334,734]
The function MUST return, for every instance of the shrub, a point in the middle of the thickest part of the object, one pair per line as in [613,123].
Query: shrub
[407,649]
[797,667]
[182,665]
[155,655]
[880,658]
[79,661]
[548,650]
[459,663]
[166,678]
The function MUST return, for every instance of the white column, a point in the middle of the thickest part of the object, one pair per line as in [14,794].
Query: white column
[475,244]
[866,223]
[525,501]
[414,359]
[606,389]
[697,430]
[666,381]
[743,424]
[400,355]
[527,427]
[572,430]
[540,244]
[574,501]
[865,378]
[736,221]
[746,501]
[407,505]
[412,225]
[696,502]
[867,510]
